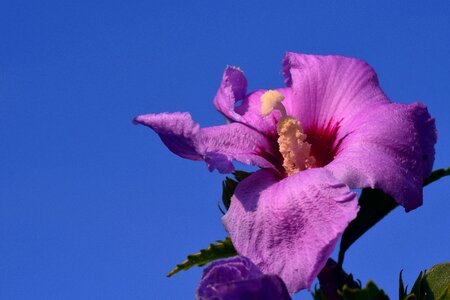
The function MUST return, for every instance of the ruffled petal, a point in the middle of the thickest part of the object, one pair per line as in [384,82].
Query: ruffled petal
[177,131]
[329,88]
[250,112]
[237,278]
[236,142]
[390,147]
[355,131]
[217,146]
[232,89]
[231,100]
[289,227]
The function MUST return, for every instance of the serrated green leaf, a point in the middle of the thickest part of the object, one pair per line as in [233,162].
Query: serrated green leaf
[374,206]
[402,293]
[369,292]
[436,282]
[221,249]
[417,287]
[431,285]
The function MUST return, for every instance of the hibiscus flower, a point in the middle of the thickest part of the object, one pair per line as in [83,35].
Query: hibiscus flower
[331,129]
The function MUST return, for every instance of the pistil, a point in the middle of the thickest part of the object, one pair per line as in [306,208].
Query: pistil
[291,138]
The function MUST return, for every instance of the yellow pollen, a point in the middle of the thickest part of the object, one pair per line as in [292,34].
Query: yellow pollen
[271,100]
[291,139]
[293,146]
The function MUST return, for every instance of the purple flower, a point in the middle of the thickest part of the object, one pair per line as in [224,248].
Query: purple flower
[331,129]
[238,278]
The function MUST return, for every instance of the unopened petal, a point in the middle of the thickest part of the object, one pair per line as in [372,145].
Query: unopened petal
[237,278]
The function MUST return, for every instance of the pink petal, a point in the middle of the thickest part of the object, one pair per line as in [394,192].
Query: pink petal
[217,145]
[237,278]
[177,130]
[232,101]
[290,227]
[250,112]
[355,131]
[329,88]
[232,88]
[390,147]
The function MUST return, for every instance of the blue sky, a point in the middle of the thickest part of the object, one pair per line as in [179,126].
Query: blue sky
[93,207]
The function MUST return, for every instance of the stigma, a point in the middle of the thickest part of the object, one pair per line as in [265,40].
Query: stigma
[291,138]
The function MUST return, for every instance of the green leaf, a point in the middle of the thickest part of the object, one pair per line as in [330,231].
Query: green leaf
[374,206]
[331,279]
[403,295]
[241,175]
[318,294]
[430,285]
[370,292]
[417,287]
[445,294]
[229,185]
[401,288]
[221,249]
[436,282]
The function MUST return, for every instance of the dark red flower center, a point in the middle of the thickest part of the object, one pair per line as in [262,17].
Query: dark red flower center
[323,142]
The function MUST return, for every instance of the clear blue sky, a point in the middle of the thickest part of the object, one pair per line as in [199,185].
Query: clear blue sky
[93,207]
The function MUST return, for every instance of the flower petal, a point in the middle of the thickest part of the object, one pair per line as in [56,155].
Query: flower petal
[237,278]
[363,138]
[177,131]
[217,145]
[232,101]
[289,227]
[236,142]
[390,147]
[250,112]
[329,88]
[232,89]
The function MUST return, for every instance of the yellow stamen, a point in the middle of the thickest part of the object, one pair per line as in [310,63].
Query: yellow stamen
[293,146]
[291,139]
